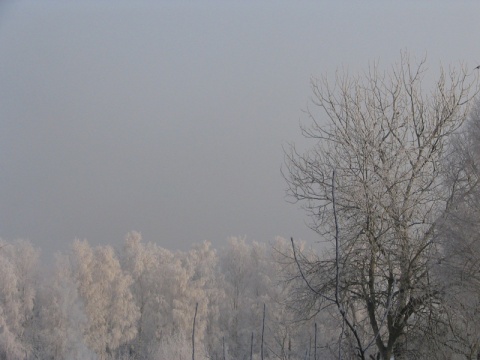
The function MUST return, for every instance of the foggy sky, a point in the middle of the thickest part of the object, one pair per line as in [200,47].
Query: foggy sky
[169,117]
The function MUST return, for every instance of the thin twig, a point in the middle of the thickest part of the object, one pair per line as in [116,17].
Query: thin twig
[304,278]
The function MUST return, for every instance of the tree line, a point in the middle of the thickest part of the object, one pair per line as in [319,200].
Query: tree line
[139,302]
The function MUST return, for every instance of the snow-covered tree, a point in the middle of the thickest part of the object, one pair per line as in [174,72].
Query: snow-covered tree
[111,313]
[251,278]
[18,266]
[372,184]
[166,288]
[59,318]
[201,263]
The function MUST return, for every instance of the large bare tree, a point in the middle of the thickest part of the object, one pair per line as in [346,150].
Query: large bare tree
[373,185]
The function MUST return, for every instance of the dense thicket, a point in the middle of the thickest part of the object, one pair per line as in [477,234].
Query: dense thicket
[138,302]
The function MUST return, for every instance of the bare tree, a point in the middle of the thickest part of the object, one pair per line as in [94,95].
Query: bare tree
[193,331]
[383,143]
[263,331]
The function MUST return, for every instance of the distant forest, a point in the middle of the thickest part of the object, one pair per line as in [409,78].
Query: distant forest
[139,302]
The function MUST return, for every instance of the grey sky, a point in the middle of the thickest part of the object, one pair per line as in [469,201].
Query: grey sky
[169,117]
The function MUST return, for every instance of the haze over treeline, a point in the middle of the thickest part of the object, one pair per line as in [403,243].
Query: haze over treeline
[169,117]
[391,185]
